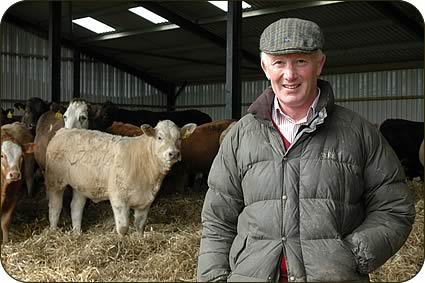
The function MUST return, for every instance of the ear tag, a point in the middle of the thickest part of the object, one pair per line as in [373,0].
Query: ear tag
[9,115]
[58,115]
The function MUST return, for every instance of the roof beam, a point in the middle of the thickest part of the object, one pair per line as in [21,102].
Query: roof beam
[120,51]
[376,48]
[247,14]
[161,84]
[392,12]
[194,28]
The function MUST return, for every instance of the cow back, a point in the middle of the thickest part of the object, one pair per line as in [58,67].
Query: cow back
[47,126]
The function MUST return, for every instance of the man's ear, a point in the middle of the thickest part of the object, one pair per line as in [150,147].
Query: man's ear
[264,67]
[321,64]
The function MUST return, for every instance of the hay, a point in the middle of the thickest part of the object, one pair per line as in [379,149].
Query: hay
[166,252]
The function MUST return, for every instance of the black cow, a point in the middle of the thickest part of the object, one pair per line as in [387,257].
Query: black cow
[35,107]
[7,116]
[405,137]
[109,112]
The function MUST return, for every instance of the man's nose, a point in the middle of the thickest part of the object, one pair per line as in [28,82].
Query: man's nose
[290,73]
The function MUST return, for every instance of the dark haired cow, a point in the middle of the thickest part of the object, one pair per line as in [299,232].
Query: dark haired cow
[34,108]
[198,153]
[16,144]
[109,112]
[7,116]
[405,137]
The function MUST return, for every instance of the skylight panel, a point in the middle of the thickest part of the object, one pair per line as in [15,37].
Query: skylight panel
[148,15]
[93,25]
[223,5]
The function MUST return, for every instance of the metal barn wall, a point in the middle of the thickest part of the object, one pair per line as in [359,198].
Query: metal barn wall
[101,82]
[374,95]
[25,74]
[381,95]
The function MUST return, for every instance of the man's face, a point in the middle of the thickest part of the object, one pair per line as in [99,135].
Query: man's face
[294,77]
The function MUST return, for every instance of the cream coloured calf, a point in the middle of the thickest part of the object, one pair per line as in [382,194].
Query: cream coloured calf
[126,170]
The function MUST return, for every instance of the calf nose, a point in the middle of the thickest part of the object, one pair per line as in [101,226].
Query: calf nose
[13,176]
[174,155]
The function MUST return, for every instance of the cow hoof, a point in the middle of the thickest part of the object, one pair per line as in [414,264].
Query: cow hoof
[122,230]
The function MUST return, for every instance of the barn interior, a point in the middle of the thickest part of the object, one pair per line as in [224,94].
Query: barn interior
[200,57]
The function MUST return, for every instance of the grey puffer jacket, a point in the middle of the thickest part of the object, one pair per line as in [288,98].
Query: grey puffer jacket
[336,204]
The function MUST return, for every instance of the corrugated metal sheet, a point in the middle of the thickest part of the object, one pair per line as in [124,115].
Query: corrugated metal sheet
[374,95]
[25,74]
[24,65]
[101,82]
[381,95]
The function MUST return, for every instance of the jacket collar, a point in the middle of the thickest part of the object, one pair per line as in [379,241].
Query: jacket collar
[262,106]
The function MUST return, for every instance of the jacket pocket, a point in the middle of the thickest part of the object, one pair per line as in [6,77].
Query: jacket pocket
[345,246]
[239,244]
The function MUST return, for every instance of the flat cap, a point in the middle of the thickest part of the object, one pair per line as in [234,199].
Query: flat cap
[291,35]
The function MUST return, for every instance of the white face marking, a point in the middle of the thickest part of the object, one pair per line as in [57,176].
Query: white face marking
[11,154]
[76,115]
[168,142]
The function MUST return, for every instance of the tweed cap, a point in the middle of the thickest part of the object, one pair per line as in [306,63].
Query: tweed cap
[291,35]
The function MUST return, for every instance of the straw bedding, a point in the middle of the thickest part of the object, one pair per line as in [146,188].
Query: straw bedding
[167,252]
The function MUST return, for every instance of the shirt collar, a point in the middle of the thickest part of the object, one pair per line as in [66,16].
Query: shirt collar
[311,112]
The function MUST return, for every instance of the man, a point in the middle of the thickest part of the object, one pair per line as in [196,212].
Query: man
[301,189]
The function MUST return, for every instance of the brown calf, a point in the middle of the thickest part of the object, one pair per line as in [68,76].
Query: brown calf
[16,141]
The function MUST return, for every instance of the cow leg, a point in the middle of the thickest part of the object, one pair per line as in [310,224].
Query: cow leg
[29,165]
[121,215]
[6,219]
[140,217]
[77,207]
[55,207]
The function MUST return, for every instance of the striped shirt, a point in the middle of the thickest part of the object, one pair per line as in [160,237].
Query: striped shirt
[286,125]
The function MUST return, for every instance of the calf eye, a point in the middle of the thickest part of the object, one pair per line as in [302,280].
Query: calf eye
[65,117]
[83,118]
[159,138]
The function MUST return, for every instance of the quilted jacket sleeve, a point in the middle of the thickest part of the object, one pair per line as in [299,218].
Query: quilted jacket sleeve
[390,210]
[222,205]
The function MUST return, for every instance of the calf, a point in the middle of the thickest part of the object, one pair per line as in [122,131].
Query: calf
[126,170]
[405,138]
[16,143]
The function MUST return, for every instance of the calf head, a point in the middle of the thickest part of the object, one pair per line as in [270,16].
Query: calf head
[76,115]
[167,140]
[12,155]
[35,106]
[102,116]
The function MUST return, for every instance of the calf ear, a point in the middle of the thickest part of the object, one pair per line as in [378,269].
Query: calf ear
[148,130]
[187,130]
[28,148]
